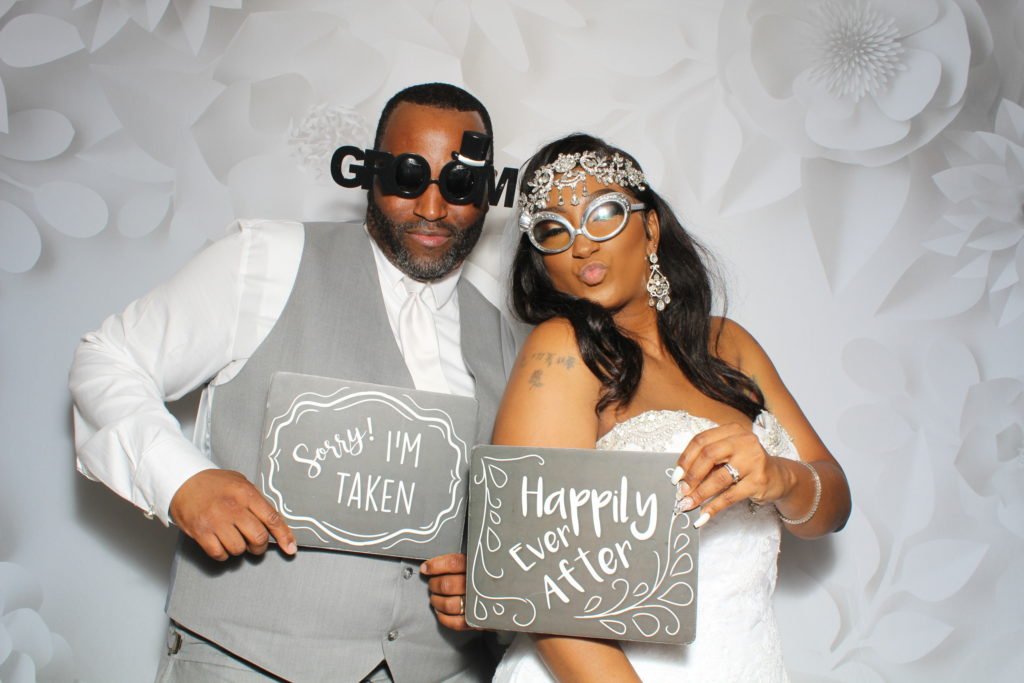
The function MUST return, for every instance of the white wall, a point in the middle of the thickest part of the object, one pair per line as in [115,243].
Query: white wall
[872,234]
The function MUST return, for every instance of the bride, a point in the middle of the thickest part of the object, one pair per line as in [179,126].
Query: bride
[627,356]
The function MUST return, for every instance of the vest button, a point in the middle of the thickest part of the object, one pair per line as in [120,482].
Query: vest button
[392,635]
[407,573]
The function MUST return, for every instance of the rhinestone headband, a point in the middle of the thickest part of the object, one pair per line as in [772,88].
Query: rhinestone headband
[562,173]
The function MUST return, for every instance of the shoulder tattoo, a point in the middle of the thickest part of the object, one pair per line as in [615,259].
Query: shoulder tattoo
[553,359]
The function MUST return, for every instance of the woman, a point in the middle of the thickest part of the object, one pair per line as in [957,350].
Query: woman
[622,301]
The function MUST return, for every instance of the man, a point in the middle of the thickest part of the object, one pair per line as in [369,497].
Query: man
[320,299]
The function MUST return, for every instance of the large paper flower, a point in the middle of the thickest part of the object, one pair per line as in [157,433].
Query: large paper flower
[856,81]
[977,247]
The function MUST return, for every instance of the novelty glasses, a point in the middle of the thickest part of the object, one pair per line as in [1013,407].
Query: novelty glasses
[408,176]
[604,218]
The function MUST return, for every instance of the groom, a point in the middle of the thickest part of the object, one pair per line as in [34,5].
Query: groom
[323,299]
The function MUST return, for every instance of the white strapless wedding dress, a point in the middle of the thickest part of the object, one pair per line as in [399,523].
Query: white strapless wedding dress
[737,637]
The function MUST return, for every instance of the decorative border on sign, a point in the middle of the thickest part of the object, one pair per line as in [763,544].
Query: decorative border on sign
[648,606]
[433,418]
[648,600]
[491,475]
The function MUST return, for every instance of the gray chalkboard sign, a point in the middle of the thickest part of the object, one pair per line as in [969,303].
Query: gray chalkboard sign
[579,542]
[367,468]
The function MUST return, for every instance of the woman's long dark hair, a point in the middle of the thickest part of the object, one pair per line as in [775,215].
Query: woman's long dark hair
[684,325]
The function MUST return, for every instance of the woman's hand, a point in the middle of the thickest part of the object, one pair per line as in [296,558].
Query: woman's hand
[728,462]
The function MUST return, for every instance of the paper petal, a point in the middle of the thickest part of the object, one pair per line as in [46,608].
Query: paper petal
[6,644]
[34,39]
[851,210]
[141,99]
[928,290]
[111,20]
[999,239]
[61,667]
[904,637]
[72,208]
[118,154]
[989,401]
[948,40]
[155,10]
[20,244]
[874,367]
[277,102]
[799,597]
[202,205]
[223,145]
[19,668]
[712,138]
[778,53]
[950,368]
[764,173]
[872,429]
[908,92]
[195,17]
[36,135]
[453,21]
[1013,309]
[267,186]
[141,214]
[936,569]
[1010,121]
[18,588]
[857,671]
[267,44]
[868,128]
[29,634]
[908,510]
[558,12]
[499,26]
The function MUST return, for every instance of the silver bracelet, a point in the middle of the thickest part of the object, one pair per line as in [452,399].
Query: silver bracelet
[817,497]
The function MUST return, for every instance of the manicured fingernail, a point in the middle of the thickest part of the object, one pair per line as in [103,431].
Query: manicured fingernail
[704,517]
[423,568]
[290,548]
[677,474]
[684,488]
[686,503]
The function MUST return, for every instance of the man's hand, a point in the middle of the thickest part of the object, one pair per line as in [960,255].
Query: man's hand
[447,585]
[226,515]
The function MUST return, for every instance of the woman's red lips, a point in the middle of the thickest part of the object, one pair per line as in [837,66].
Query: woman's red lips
[593,273]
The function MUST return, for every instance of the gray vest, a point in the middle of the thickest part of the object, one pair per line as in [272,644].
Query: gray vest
[325,615]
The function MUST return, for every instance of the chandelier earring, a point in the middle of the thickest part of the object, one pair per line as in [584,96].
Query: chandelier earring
[657,285]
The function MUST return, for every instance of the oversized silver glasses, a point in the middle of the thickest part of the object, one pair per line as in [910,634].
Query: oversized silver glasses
[604,218]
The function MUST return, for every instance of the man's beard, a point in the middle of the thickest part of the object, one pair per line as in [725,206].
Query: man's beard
[388,235]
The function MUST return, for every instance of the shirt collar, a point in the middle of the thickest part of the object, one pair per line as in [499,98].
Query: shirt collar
[391,277]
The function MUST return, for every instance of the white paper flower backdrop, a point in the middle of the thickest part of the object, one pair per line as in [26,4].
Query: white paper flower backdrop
[29,651]
[859,163]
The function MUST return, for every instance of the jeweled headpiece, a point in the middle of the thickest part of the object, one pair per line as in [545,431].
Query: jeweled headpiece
[562,173]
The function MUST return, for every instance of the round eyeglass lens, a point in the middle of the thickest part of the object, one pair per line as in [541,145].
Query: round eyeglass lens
[411,174]
[459,181]
[551,234]
[605,218]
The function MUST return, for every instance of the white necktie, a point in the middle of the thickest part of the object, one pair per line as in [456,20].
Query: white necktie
[419,339]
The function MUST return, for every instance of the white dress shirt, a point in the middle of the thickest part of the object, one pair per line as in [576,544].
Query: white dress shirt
[201,326]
